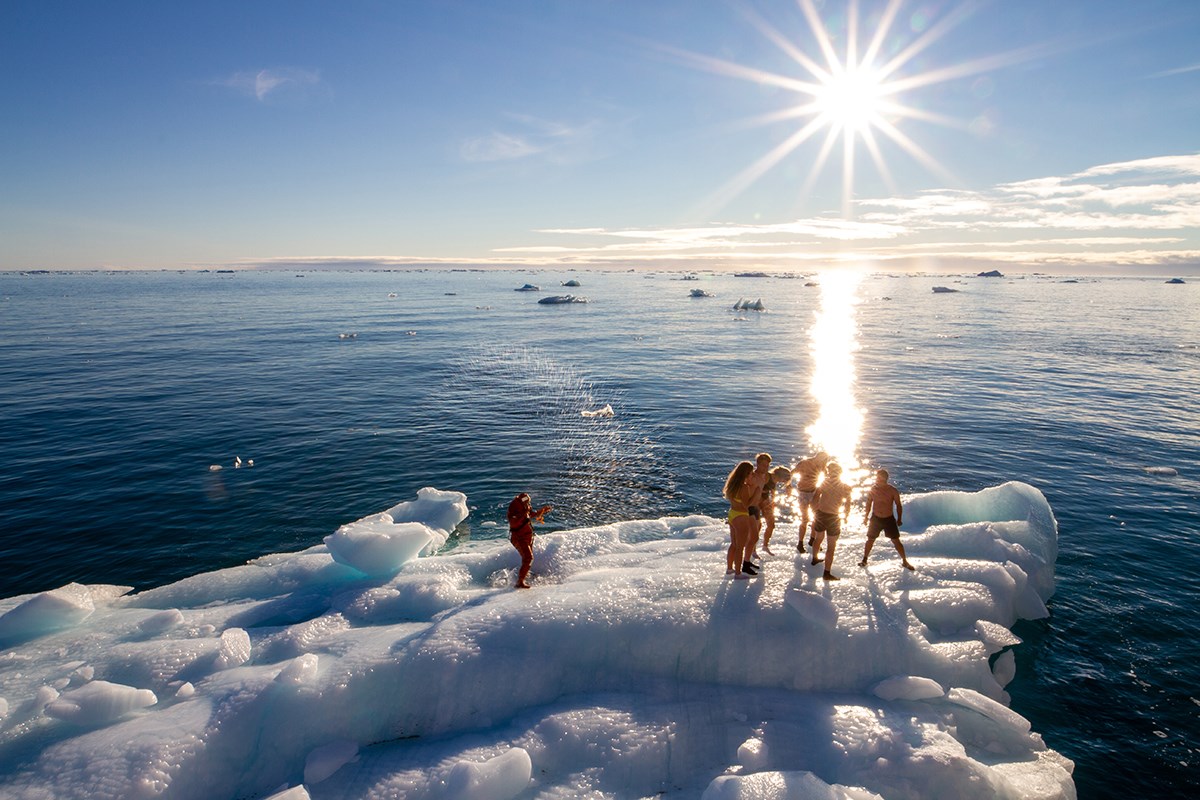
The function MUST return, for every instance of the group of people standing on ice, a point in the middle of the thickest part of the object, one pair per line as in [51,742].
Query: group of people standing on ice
[751,491]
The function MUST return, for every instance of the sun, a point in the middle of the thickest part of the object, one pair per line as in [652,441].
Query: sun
[852,100]
[852,95]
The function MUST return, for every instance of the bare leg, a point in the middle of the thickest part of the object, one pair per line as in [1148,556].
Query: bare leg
[900,550]
[829,576]
[803,528]
[752,539]
[732,566]
[817,538]
[767,531]
[867,552]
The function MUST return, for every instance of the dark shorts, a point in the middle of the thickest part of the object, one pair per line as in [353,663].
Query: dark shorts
[885,524]
[828,524]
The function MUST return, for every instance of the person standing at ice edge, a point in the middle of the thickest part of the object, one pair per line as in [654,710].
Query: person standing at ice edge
[520,528]
[881,497]
[763,479]
[829,498]
[779,476]
[741,493]
[807,471]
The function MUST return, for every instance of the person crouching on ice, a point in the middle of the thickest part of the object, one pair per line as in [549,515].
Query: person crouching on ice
[520,528]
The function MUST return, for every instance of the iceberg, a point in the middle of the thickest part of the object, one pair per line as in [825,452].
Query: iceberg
[561,299]
[529,287]
[370,667]
[699,293]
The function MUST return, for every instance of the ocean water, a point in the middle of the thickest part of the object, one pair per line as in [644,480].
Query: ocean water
[351,390]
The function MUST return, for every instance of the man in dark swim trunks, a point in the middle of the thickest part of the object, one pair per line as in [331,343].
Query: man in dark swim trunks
[806,472]
[881,497]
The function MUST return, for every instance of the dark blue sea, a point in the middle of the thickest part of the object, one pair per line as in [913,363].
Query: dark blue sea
[121,393]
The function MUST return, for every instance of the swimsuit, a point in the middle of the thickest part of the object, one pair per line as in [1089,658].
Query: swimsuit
[827,523]
[734,514]
[886,524]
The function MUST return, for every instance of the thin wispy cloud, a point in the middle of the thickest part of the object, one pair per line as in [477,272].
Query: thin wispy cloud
[1177,71]
[262,84]
[525,137]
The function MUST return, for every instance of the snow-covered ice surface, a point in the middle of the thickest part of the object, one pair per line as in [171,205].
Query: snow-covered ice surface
[374,667]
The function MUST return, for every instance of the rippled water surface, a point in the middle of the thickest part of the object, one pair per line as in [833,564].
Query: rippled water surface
[118,393]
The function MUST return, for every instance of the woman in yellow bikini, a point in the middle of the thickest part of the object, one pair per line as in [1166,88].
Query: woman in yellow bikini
[741,494]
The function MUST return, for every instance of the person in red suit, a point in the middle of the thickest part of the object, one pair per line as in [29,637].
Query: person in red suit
[520,527]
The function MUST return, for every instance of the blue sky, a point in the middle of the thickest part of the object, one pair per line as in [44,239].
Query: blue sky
[1051,135]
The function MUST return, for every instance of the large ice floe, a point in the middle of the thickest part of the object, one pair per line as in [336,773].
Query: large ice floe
[375,666]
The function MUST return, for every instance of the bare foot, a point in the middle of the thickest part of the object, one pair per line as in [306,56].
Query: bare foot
[829,576]
[767,550]
[862,563]
[909,566]
[523,586]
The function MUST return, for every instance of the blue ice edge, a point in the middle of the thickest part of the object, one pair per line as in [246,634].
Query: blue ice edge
[372,666]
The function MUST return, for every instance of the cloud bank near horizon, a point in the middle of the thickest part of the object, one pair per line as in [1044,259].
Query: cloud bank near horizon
[1137,214]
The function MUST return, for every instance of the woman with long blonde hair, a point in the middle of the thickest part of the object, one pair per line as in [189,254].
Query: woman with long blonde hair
[741,493]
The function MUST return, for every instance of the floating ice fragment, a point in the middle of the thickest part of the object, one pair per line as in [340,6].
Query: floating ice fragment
[499,778]
[908,687]
[943,290]
[237,462]
[746,305]
[561,299]
[607,411]
[99,702]
[1175,281]
[3,708]
[700,293]
[377,546]
[47,612]
[328,759]
[529,287]
[1163,471]
[185,691]
[347,336]
[572,282]
[215,467]
[1005,668]
[234,650]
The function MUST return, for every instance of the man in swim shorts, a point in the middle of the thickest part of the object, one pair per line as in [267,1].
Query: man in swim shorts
[830,498]
[881,498]
[807,471]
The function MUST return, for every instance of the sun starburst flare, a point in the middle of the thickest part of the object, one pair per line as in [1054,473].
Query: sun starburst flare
[853,97]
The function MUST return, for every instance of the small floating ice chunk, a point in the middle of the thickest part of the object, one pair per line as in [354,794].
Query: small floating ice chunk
[561,299]
[1163,471]
[3,708]
[499,778]
[607,411]
[529,287]
[328,759]
[347,335]
[572,283]
[943,290]
[215,467]
[908,687]
[234,650]
[699,293]
[1175,281]
[185,690]
[47,612]
[746,305]
[1005,668]
[99,702]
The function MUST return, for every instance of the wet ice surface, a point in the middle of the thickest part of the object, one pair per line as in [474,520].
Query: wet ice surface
[373,667]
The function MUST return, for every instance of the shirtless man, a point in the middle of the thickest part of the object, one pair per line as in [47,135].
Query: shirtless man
[759,479]
[807,471]
[881,497]
[830,497]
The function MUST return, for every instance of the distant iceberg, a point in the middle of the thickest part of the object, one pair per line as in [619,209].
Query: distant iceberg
[699,293]
[633,668]
[995,273]
[529,287]
[747,305]
[561,299]
[1175,280]
[571,282]
[943,290]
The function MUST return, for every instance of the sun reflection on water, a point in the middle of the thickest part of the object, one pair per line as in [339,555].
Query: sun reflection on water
[833,342]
